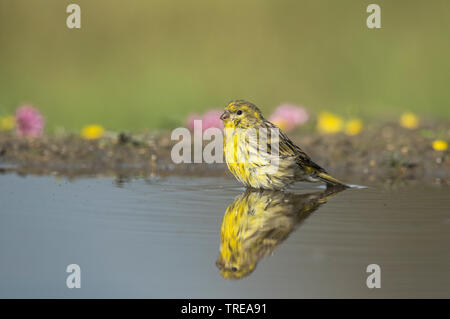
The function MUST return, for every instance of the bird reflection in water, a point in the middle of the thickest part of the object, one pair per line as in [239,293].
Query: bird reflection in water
[256,222]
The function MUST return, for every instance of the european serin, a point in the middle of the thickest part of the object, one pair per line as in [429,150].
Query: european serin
[256,222]
[250,146]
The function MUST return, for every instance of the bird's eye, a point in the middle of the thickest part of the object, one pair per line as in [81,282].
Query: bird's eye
[239,112]
[234,269]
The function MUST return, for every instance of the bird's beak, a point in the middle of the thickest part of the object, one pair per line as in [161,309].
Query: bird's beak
[225,116]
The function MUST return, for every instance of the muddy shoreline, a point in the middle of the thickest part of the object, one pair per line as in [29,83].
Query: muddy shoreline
[385,154]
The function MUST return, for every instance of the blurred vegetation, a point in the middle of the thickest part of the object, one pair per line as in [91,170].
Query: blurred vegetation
[147,64]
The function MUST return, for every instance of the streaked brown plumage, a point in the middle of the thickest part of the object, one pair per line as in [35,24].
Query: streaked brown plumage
[256,169]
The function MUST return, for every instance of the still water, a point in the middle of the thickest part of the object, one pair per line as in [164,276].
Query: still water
[206,237]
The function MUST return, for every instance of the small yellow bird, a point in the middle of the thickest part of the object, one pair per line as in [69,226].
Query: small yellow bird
[260,155]
[256,222]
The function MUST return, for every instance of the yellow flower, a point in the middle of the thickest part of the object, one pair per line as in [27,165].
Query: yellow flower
[353,127]
[440,145]
[329,123]
[409,120]
[7,123]
[92,132]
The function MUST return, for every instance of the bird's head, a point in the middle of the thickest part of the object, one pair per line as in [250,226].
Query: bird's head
[235,268]
[241,114]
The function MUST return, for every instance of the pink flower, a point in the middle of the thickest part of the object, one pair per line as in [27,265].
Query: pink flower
[209,119]
[29,121]
[212,119]
[190,121]
[288,116]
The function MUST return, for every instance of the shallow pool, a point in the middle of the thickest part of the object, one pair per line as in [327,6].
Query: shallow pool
[161,238]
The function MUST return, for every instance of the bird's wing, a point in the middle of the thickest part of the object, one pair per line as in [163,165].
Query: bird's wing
[288,148]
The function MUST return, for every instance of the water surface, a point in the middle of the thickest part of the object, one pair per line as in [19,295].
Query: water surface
[160,238]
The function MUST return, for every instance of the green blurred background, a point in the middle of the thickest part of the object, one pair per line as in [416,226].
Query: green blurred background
[138,65]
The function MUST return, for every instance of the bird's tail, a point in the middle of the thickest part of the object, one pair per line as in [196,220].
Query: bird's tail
[331,181]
